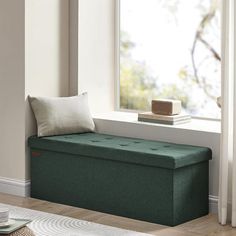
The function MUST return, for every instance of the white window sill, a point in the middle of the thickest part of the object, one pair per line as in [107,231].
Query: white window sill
[201,125]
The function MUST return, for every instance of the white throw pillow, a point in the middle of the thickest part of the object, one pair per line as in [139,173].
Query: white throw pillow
[62,115]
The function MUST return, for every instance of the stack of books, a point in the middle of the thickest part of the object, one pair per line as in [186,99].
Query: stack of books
[165,111]
[164,119]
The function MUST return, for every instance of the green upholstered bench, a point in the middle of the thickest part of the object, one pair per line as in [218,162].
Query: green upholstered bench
[153,181]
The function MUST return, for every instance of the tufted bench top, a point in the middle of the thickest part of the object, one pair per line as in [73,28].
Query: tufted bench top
[129,150]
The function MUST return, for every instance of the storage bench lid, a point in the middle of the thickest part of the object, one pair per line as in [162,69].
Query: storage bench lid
[129,150]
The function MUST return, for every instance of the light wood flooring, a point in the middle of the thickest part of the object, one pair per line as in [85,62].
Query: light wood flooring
[205,226]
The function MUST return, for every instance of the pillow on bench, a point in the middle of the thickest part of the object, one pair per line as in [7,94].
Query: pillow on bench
[62,115]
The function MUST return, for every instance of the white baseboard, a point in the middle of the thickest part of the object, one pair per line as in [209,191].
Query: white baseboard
[15,186]
[213,204]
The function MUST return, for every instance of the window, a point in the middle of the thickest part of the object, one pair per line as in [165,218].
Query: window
[170,49]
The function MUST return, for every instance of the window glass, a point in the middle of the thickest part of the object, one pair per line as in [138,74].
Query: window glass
[170,49]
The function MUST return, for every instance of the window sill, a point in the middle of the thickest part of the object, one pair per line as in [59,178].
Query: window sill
[209,126]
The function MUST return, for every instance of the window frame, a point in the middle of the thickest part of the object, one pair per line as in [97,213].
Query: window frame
[117,61]
[117,56]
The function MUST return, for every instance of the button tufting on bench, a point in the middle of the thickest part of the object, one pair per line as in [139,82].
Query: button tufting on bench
[95,141]
[154,149]
[136,141]
[166,146]
[123,145]
[108,138]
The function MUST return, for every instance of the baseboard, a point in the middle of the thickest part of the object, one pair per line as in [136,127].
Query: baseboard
[15,186]
[213,204]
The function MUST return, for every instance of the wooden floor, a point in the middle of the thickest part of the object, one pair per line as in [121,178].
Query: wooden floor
[205,226]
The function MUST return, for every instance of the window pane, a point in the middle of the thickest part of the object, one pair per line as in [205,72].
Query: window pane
[170,49]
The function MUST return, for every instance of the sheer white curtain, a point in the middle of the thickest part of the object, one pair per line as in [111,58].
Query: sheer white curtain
[227,178]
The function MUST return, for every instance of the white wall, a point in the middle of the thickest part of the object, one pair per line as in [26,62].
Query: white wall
[12,72]
[34,59]
[47,47]
[96,52]
[46,54]
[74,37]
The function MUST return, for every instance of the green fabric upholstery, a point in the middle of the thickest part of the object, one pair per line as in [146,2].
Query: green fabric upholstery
[153,181]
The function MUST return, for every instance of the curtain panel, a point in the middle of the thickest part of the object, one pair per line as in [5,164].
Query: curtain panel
[227,172]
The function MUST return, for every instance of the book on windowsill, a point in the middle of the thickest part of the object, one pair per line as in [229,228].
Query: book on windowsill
[163,119]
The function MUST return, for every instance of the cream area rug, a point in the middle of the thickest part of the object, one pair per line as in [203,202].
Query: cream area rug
[46,224]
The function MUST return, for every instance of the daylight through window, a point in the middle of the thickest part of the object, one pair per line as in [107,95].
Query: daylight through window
[170,49]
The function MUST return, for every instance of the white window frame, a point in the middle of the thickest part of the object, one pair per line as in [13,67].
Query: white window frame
[117,55]
[117,59]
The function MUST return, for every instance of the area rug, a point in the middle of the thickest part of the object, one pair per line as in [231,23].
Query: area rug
[46,224]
